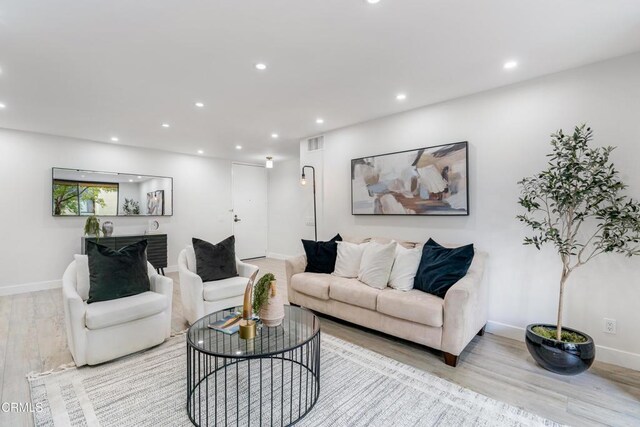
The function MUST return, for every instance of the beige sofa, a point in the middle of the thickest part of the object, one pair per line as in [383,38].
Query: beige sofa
[447,324]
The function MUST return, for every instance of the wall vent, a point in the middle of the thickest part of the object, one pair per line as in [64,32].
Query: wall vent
[315,144]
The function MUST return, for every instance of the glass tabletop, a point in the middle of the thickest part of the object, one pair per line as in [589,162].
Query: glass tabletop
[298,326]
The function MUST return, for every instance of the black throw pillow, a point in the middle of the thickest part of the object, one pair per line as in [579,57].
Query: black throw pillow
[321,256]
[117,274]
[215,262]
[440,267]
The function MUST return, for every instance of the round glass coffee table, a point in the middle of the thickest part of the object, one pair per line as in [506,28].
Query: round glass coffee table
[272,379]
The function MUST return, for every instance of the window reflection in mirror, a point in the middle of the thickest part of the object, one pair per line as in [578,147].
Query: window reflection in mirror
[82,193]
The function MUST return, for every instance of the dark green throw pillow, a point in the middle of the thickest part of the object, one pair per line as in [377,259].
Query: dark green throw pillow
[440,267]
[321,256]
[117,274]
[215,262]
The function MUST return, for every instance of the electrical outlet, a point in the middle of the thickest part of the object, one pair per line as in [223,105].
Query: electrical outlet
[610,326]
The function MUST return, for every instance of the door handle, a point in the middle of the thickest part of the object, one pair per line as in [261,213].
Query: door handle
[236,219]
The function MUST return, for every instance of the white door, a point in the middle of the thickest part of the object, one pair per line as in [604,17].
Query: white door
[249,192]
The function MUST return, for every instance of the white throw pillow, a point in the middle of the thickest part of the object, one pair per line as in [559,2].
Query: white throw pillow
[405,268]
[376,263]
[82,276]
[348,259]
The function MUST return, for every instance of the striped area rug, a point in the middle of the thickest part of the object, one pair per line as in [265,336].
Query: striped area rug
[358,388]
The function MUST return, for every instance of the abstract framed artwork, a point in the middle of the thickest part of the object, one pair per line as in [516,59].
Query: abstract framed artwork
[155,202]
[425,181]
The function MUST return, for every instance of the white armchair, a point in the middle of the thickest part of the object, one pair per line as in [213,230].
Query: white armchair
[103,331]
[202,298]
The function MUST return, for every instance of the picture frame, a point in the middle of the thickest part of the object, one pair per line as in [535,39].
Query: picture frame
[427,181]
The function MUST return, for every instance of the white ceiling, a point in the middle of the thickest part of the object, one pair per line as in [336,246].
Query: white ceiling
[95,69]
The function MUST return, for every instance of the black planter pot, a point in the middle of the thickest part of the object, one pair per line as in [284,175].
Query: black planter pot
[560,357]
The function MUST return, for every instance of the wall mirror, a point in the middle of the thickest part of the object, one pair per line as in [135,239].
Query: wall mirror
[77,192]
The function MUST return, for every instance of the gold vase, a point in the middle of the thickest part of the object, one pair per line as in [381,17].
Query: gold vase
[247,328]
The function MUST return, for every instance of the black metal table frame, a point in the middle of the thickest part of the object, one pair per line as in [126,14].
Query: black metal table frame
[202,365]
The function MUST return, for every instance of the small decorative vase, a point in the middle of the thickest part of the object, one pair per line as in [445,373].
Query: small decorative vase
[107,228]
[272,312]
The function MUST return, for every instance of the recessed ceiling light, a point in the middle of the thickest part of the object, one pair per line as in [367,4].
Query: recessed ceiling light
[130,180]
[139,177]
[373,1]
[2,105]
[115,139]
[401,96]
[81,176]
[509,65]
[274,135]
[200,152]
[166,125]
[260,66]
[319,121]
[199,104]
[238,147]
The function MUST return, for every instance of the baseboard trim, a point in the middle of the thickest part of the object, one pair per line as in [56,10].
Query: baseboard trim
[171,268]
[277,256]
[604,354]
[30,287]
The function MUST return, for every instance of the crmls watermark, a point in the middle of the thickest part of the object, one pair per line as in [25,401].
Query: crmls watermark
[20,407]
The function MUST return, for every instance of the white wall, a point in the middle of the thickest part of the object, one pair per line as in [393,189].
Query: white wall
[508,132]
[36,247]
[286,225]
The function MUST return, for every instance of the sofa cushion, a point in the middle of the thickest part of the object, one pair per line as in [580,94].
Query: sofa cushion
[376,264]
[225,288]
[313,284]
[321,256]
[103,314]
[440,268]
[414,305]
[405,268]
[354,292]
[348,259]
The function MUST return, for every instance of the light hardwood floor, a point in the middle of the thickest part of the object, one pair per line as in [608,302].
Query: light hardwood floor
[32,338]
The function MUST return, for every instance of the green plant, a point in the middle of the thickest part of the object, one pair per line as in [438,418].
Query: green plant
[551,333]
[261,291]
[131,207]
[92,226]
[576,204]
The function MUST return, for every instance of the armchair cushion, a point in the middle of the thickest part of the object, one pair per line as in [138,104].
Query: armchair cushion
[225,288]
[215,262]
[117,274]
[124,310]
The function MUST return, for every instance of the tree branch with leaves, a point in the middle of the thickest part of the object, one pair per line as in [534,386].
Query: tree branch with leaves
[579,189]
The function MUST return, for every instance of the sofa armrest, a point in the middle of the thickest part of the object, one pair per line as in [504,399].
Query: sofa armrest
[465,307]
[246,269]
[163,285]
[294,265]
[74,314]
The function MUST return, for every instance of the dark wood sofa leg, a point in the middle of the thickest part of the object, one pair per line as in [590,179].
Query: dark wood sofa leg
[481,331]
[450,359]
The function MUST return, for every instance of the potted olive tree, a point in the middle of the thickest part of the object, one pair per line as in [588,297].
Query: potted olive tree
[576,205]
